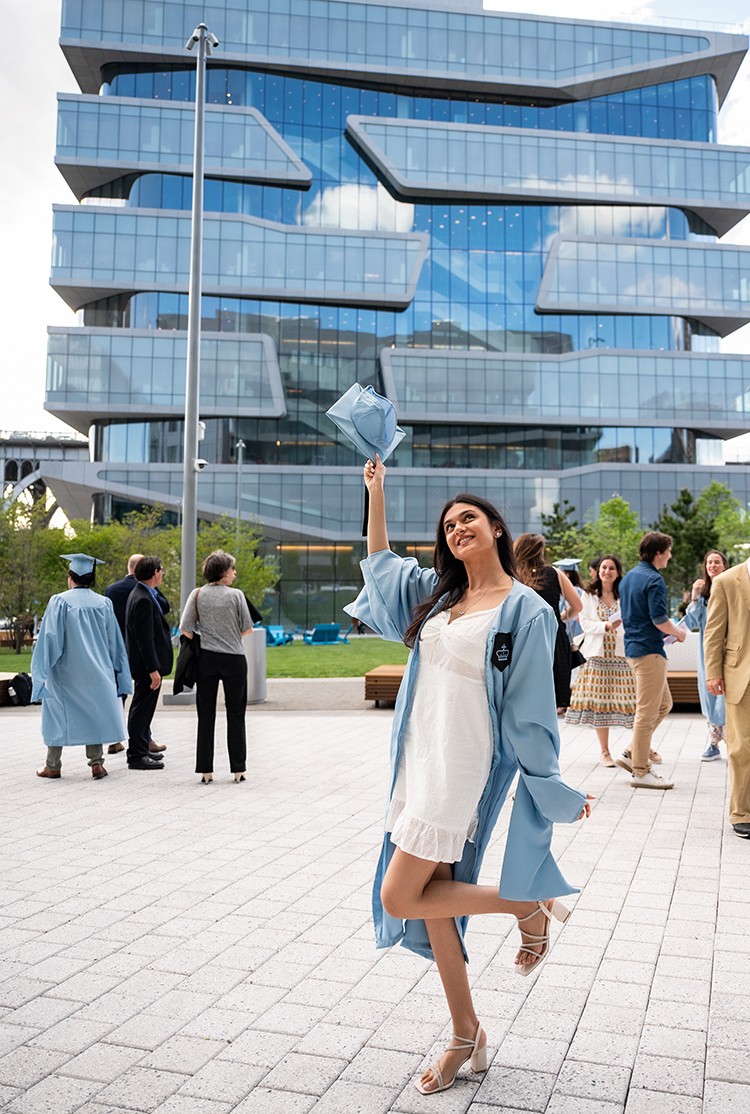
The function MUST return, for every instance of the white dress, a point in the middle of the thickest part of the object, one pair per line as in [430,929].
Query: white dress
[447,749]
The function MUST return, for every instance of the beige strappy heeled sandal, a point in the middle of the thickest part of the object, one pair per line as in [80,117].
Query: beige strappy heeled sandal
[476,1055]
[557,910]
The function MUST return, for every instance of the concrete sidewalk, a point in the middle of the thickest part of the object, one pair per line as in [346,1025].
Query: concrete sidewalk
[167,946]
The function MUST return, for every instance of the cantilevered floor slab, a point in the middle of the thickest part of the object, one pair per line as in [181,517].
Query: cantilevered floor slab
[463,162]
[708,282]
[100,251]
[406,43]
[100,139]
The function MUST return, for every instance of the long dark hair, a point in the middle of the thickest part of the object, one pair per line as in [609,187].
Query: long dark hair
[452,578]
[530,562]
[595,587]
[706,591]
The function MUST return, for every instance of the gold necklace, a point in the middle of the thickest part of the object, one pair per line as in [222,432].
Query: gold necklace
[479,597]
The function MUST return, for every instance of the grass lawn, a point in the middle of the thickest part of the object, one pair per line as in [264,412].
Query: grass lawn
[15,663]
[354,660]
[296,660]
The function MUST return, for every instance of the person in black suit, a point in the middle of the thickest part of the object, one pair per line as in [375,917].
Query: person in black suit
[149,645]
[119,594]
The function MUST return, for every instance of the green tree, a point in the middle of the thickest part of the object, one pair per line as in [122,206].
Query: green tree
[30,566]
[730,519]
[138,532]
[561,531]
[693,532]
[256,575]
[616,529]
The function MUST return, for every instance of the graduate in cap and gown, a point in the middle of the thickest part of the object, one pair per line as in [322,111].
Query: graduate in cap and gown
[79,670]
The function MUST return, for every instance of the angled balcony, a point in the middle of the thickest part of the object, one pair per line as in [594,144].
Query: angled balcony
[705,391]
[707,282]
[99,251]
[456,46]
[140,374]
[464,162]
[100,139]
[319,504]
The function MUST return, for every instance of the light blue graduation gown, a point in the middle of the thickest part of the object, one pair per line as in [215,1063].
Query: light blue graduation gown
[712,706]
[79,669]
[525,739]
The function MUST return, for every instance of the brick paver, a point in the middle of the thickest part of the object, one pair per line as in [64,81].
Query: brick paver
[187,949]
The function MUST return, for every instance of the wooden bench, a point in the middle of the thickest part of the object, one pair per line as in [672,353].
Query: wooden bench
[684,687]
[382,684]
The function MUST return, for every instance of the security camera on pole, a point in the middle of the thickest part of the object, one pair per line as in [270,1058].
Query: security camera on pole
[192,463]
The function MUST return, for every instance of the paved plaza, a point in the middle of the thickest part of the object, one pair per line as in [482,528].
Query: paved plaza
[187,949]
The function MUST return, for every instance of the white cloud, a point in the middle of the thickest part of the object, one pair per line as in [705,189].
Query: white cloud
[368,208]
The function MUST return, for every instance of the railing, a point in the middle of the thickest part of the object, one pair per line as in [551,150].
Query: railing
[33,436]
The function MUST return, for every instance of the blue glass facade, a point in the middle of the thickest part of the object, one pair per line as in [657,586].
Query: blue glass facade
[435,299]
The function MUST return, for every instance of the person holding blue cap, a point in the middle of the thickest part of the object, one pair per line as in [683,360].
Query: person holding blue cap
[476,710]
[79,670]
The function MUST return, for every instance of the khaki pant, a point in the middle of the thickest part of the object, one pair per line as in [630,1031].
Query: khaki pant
[54,756]
[653,703]
[738,751]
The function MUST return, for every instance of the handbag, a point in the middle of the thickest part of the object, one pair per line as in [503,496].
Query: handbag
[577,658]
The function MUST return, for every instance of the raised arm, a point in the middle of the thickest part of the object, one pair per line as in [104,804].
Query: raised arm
[377,531]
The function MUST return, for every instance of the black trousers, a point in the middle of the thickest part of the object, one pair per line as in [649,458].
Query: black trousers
[231,670]
[142,708]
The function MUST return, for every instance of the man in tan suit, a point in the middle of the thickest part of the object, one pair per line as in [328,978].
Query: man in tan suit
[726,650]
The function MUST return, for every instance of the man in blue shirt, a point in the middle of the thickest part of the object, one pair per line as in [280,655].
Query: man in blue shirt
[645,619]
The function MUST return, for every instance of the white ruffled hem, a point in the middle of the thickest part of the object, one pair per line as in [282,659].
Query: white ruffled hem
[424,840]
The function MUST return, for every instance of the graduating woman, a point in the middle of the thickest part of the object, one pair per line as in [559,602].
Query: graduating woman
[476,708]
[712,706]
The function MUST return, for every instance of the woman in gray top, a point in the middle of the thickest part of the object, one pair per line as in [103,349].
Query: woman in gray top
[220,615]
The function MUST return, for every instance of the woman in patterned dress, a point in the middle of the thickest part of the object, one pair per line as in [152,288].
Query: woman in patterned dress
[604,692]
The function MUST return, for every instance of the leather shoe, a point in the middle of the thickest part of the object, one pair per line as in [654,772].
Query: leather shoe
[46,772]
[146,763]
[115,748]
[156,748]
[98,771]
[742,830]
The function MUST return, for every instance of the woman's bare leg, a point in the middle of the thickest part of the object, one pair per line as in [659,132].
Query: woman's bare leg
[602,734]
[446,947]
[412,891]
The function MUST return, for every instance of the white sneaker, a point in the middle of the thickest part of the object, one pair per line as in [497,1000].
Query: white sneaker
[650,780]
[623,761]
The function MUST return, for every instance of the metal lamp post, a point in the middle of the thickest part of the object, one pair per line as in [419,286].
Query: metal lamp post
[192,465]
[240,447]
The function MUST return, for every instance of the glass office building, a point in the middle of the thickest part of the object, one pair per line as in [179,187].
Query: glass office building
[507,224]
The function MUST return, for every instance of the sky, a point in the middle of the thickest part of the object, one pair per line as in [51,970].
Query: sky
[34,71]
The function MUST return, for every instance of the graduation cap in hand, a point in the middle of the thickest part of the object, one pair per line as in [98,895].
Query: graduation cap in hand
[80,563]
[370,422]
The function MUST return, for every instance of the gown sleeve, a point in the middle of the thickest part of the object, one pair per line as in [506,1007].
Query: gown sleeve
[49,646]
[394,586]
[695,615]
[529,732]
[118,654]
[529,723]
